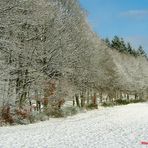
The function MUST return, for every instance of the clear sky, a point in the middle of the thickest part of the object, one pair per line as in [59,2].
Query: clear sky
[125,18]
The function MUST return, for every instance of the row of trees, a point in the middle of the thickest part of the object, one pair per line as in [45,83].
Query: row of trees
[41,41]
[120,45]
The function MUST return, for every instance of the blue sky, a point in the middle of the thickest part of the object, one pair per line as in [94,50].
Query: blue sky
[125,18]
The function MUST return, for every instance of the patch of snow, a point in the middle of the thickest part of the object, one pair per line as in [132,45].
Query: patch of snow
[116,127]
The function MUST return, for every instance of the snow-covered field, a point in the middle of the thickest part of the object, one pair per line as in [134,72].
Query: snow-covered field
[117,127]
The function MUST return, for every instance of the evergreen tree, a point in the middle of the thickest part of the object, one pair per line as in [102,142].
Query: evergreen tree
[134,53]
[115,43]
[122,46]
[107,41]
[129,48]
[141,51]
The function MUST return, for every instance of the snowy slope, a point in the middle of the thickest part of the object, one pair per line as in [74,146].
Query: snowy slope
[117,127]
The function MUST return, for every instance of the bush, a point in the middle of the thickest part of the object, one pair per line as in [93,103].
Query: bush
[32,118]
[92,106]
[41,116]
[108,104]
[55,112]
[122,102]
[6,115]
[137,101]
[69,111]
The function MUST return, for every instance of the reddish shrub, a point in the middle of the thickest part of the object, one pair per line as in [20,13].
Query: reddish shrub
[6,115]
[24,113]
[45,101]
[60,103]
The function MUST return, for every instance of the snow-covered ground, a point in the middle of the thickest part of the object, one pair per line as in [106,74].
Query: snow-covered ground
[117,127]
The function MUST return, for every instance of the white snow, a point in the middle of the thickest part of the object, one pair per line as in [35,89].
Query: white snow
[117,127]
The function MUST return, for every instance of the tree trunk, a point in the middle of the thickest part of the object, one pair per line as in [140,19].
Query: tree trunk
[127,96]
[121,97]
[87,97]
[100,96]
[95,99]
[73,101]
[82,100]
[77,100]
[136,96]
